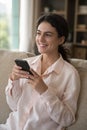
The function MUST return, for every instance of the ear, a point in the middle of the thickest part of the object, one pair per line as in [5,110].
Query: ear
[61,40]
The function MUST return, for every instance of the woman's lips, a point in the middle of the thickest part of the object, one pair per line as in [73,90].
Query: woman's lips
[42,45]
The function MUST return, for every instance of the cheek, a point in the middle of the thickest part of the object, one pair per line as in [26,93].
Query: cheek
[54,42]
[36,39]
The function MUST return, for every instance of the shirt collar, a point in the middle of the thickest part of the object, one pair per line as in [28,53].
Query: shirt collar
[37,58]
[57,66]
[36,64]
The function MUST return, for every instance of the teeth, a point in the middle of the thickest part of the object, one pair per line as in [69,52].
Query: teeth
[42,45]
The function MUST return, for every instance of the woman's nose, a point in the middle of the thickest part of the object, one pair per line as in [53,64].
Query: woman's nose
[41,38]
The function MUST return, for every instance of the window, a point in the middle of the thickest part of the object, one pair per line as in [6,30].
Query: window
[9,24]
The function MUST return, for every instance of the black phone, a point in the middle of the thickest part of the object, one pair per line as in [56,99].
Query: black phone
[24,64]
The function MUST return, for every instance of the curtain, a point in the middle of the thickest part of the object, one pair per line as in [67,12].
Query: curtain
[29,12]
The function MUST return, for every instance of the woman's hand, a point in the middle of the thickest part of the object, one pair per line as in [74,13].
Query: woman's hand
[37,83]
[18,73]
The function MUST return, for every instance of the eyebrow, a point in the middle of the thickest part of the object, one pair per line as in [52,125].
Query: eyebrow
[46,32]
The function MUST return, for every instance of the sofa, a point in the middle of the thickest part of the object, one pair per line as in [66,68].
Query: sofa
[6,63]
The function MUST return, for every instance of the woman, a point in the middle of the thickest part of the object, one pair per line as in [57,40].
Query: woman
[46,100]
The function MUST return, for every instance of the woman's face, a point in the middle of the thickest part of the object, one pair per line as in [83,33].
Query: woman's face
[47,40]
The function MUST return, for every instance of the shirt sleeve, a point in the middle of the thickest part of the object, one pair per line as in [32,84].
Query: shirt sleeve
[13,92]
[62,111]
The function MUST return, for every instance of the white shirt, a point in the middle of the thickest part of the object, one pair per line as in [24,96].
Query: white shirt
[54,109]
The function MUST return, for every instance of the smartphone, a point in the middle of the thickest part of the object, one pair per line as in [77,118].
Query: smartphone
[24,64]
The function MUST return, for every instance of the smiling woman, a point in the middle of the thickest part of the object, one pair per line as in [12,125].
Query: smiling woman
[47,98]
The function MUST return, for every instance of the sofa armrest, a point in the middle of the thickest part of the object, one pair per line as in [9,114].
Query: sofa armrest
[81,116]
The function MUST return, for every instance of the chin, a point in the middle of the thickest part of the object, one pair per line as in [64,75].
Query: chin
[41,51]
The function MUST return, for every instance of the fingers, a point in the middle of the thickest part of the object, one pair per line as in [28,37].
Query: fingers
[37,82]
[17,73]
[33,77]
[34,73]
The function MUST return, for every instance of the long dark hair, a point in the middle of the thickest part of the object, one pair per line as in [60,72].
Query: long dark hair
[61,26]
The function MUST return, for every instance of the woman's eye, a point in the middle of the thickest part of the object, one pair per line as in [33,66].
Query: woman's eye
[44,35]
[37,33]
[49,35]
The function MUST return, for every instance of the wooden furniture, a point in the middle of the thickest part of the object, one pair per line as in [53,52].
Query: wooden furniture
[79,51]
[80,30]
[58,6]
[80,24]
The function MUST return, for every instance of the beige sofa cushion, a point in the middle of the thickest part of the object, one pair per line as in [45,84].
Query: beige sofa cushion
[6,64]
[81,122]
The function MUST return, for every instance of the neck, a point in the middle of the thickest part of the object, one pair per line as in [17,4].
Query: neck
[50,58]
[48,61]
